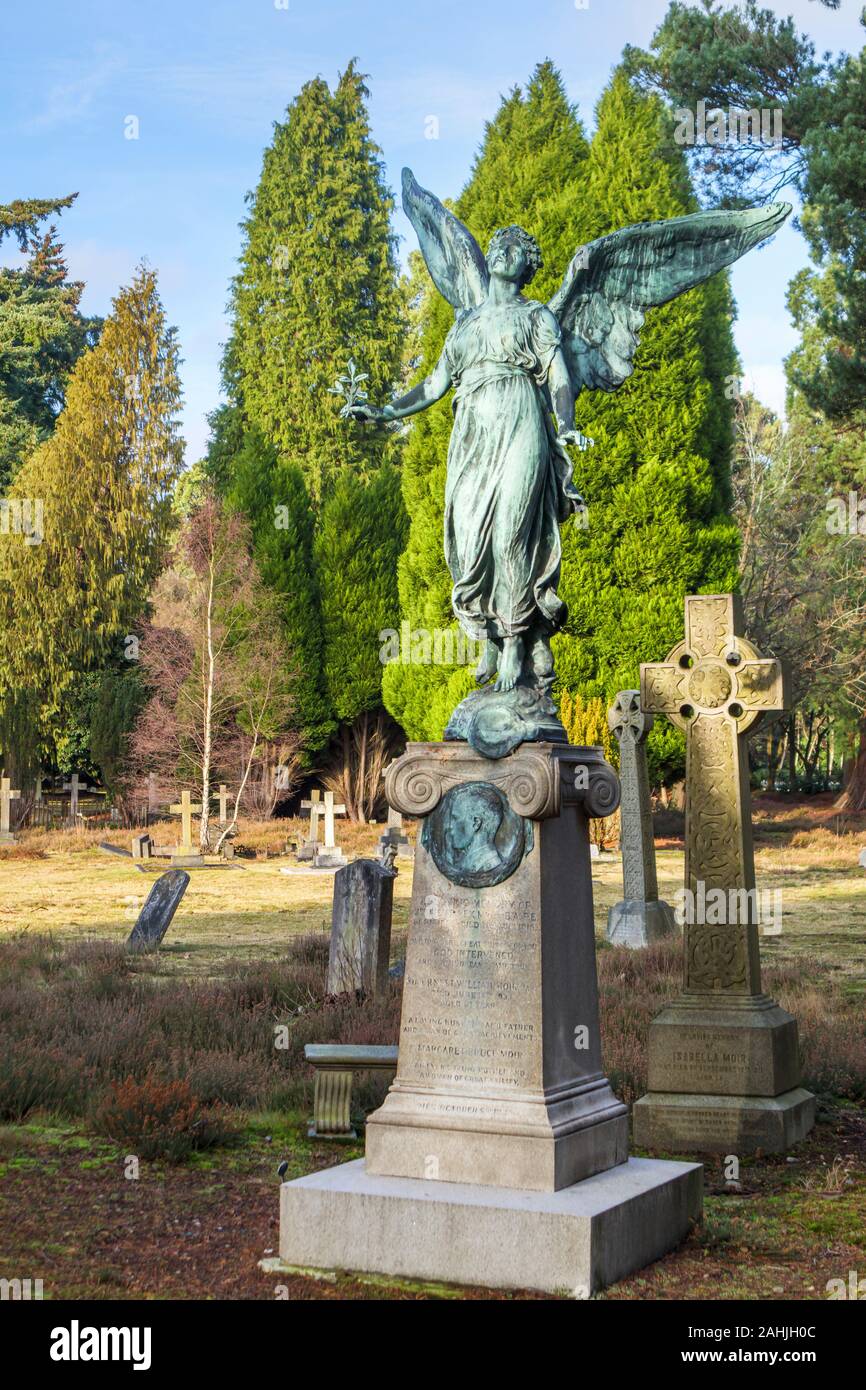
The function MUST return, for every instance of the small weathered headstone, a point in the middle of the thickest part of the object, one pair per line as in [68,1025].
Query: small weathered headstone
[160,906]
[361,928]
[862,860]
[72,786]
[142,846]
[724,1060]
[641,917]
[7,796]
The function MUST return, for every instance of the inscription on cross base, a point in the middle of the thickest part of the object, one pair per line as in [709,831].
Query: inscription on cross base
[715,686]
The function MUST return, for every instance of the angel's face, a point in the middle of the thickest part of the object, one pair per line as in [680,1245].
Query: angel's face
[508,259]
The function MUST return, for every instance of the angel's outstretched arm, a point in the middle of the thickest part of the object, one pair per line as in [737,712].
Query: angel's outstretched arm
[562,395]
[426,393]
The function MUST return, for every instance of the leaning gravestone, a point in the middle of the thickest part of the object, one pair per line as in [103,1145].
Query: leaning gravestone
[724,1064]
[155,917]
[361,928]
[641,918]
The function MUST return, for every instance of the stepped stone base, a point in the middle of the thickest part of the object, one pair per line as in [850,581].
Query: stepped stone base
[723,1124]
[634,923]
[577,1240]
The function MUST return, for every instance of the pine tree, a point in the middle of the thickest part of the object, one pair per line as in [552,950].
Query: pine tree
[657,482]
[97,500]
[529,170]
[42,332]
[317,284]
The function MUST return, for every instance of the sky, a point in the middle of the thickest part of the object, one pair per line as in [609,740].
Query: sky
[206,79]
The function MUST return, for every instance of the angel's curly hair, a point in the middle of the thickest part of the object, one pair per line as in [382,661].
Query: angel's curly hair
[530,246]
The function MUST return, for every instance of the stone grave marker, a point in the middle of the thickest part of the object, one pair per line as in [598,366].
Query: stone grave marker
[7,796]
[142,846]
[73,787]
[724,1066]
[862,860]
[641,917]
[309,848]
[223,801]
[160,906]
[393,836]
[361,928]
[329,854]
[186,852]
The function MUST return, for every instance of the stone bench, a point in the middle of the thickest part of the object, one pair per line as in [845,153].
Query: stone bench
[334,1065]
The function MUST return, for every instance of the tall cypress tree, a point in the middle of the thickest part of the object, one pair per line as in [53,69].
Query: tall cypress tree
[529,170]
[317,284]
[657,482]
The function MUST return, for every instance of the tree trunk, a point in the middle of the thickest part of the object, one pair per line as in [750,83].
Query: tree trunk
[792,751]
[853,797]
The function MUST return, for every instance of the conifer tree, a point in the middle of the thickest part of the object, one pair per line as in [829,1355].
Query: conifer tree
[528,170]
[273,494]
[657,482]
[97,501]
[317,284]
[42,332]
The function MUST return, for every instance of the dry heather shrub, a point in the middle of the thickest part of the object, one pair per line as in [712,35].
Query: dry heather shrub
[160,1119]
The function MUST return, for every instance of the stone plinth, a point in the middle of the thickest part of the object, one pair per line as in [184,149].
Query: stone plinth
[574,1241]
[635,922]
[500,1079]
[500,1153]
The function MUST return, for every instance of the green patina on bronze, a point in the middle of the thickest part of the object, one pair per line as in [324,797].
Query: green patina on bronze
[517,367]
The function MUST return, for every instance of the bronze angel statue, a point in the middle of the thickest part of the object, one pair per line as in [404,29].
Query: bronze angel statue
[517,366]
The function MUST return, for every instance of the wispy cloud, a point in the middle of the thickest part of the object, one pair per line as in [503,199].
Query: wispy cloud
[72,97]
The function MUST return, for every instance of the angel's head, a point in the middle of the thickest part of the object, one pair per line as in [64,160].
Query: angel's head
[514,254]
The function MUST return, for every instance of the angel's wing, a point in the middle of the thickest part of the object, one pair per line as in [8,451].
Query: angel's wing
[453,256]
[611,283]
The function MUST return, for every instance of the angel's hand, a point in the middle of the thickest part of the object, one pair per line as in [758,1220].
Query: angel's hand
[362,410]
[582,441]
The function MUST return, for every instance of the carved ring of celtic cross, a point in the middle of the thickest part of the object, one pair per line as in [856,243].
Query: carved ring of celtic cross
[732,684]
[626,719]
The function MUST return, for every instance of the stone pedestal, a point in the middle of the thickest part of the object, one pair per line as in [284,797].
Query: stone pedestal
[723,1077]
[635,922]
[500,1116]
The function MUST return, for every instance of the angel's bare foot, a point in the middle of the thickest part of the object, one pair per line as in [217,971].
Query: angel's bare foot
[511,663]
[486,668]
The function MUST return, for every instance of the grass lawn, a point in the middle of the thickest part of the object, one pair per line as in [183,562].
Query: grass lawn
[196,1229]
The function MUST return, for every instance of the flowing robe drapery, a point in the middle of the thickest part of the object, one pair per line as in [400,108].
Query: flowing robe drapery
[509,482]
